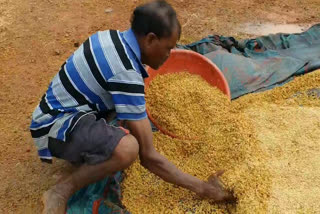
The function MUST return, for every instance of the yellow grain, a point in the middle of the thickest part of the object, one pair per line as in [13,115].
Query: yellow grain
[224,141]
[262,141]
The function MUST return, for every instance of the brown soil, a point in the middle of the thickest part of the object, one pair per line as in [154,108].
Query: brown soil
[36,36]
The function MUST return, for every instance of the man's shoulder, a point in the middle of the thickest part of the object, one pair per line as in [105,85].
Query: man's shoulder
[110,52]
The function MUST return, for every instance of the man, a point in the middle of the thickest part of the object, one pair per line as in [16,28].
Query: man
[106,73]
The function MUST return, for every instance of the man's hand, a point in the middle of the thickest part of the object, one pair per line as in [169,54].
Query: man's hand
[213,189]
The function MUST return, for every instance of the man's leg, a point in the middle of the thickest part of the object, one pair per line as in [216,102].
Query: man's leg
[55,199]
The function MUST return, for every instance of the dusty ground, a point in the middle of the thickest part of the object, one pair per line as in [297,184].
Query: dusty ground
[36,36]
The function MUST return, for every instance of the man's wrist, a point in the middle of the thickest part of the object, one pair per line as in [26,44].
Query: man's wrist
[201,188]
[197,186]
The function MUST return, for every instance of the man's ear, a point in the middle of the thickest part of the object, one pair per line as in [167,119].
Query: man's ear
[151,38]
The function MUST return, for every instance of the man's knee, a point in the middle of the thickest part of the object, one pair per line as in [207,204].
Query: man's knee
[127,150]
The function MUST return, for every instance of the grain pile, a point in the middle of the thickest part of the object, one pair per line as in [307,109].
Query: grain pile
[181,103]
[287,123]
[224,141]
[291,136]
[268,143]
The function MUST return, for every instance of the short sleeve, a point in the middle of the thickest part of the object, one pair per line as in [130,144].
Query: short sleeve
[127,91]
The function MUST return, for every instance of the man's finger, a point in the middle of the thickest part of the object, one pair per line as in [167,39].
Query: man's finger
[213,177]
[219,173]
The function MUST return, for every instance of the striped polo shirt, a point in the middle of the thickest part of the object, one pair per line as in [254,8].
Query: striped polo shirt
[105,73]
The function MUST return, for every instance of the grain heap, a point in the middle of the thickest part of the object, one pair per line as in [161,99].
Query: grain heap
[188,106]
[181,103]
[287,123]
[268,143]
[291,137]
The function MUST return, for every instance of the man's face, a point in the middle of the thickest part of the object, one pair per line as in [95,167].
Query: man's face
[156,51]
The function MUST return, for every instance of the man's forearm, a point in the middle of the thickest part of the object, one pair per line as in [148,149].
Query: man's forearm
[160,166]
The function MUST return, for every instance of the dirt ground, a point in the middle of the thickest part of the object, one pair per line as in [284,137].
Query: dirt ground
[36,36]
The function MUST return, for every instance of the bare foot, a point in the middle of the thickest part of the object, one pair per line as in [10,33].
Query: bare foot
[54,203]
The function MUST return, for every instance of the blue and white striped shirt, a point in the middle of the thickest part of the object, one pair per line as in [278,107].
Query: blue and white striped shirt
[103,74]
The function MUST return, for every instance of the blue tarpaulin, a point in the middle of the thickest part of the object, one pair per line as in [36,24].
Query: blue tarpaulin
[101,197]
[262,63]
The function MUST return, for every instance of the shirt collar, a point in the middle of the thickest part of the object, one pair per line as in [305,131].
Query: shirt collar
[132,42]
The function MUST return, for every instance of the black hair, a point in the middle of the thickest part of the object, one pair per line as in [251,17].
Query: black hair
[156,17]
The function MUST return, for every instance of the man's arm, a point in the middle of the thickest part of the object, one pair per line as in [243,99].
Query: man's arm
[159,165]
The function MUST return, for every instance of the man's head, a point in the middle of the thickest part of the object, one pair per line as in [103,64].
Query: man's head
[157,29]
